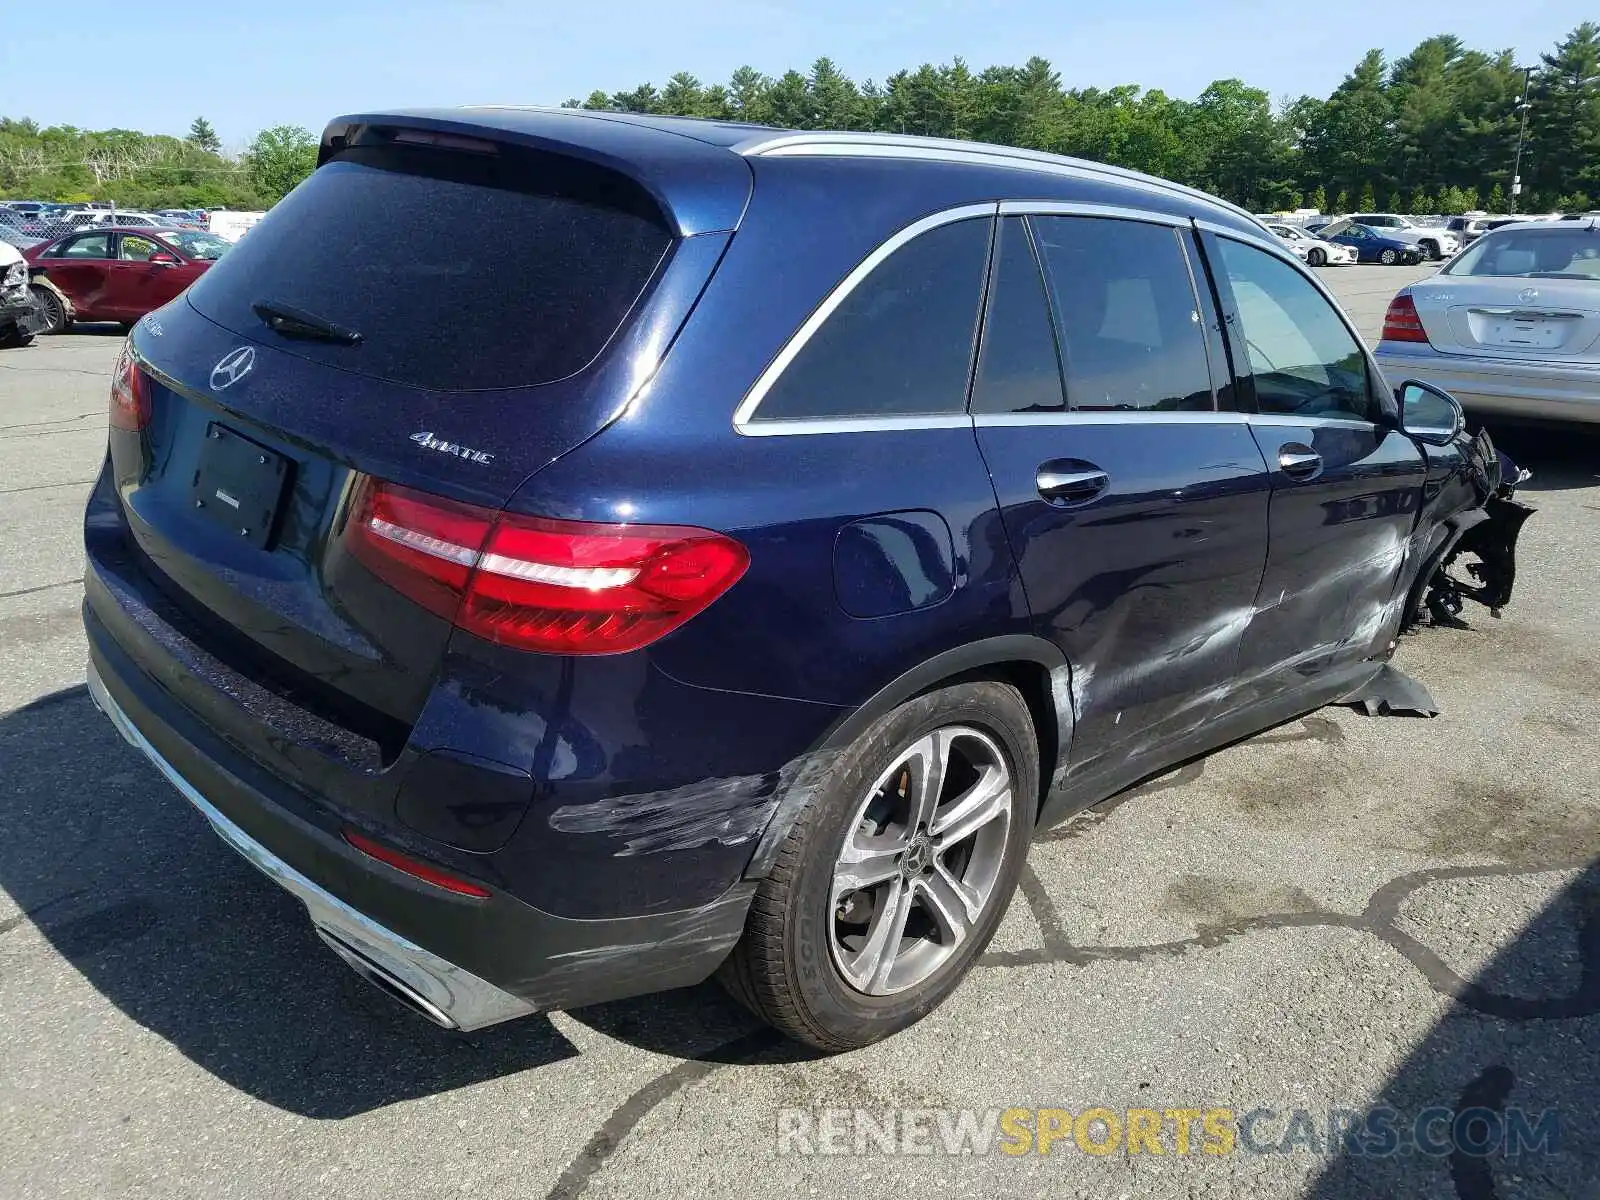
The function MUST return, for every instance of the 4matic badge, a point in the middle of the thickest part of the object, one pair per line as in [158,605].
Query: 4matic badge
[428,442]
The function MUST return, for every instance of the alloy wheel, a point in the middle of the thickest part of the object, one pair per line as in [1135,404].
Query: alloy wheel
[48,314]
[920,861]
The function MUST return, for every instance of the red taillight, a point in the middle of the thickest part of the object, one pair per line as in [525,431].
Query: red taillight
[422,546]
[1401,323]
[560,587]
[414,867]
[130,394]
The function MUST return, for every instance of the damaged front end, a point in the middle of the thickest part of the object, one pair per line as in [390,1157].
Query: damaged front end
[1481,564]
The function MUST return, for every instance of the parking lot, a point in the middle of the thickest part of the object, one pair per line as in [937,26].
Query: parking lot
[1342,913]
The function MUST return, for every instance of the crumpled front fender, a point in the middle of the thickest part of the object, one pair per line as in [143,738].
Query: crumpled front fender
[1490,575]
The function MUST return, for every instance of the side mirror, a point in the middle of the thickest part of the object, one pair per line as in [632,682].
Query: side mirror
[1432,416]
[162,259]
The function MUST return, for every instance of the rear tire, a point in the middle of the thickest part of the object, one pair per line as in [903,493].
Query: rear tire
[1317,257]
[50,313]
[1388,258]
[885,891]
[1430,250]
[13,336]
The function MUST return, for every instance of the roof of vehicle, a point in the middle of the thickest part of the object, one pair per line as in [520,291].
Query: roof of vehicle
[693,167]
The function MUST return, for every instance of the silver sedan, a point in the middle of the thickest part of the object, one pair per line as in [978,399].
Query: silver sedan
[1511,327]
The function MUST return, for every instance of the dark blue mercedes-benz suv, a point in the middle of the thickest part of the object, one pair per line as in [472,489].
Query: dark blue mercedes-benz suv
[576,553]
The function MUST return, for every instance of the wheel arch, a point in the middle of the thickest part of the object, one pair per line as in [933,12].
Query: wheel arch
[1035,667]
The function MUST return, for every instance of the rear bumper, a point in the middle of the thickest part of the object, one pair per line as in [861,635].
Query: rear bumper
[1531,390]
[462,962]
[444,992]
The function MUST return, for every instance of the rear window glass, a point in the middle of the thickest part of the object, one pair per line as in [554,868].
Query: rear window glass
[1533,254]
[460,271]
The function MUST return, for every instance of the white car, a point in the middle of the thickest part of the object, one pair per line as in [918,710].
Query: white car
[1437,244]
[1313,251]
[106,216]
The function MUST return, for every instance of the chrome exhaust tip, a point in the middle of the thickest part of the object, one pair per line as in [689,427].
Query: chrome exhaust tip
[385,981]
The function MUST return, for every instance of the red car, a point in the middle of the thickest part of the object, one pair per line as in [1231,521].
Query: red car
[115,274]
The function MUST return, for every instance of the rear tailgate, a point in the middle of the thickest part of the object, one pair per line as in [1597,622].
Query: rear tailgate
[490,307]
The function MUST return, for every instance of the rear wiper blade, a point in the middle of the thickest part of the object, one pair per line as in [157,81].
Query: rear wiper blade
[297,323]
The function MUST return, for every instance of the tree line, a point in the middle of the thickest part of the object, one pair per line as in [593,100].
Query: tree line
[139,170]
[1435,130]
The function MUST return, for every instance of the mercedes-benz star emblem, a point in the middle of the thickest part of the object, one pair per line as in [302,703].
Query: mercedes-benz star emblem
[232,367]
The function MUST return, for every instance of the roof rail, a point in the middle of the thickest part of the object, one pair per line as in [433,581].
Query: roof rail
[893,145]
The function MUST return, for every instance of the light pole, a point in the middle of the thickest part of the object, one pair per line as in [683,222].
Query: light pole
[1523,105]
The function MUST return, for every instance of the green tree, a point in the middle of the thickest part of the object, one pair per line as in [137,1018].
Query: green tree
[1368,202]
[203,137]
[279,158]
[1350,141]
[1564,121]
[1497,199]
[1318,198]
[1242,153]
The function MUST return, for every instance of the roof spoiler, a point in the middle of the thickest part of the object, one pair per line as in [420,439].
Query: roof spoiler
[699,187]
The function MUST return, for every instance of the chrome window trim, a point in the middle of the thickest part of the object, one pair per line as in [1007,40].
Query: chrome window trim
[1282,420]
[855,425]
[1144,416]
[743,416]
[1073,208]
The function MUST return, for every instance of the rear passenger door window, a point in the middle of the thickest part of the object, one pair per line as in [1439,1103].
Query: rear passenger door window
[1018,367]
[90,245]
[1303,359]
[900,343]
[1127,313]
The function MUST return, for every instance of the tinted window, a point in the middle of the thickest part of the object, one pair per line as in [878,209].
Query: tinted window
[460,271]
[1303,358]
[93,245]
[1131,338]
[901,342]
[1018,371]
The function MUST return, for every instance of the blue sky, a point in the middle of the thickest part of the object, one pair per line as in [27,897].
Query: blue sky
[301,63]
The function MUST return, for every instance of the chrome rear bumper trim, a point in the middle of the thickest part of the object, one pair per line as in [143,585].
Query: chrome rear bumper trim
[443,992]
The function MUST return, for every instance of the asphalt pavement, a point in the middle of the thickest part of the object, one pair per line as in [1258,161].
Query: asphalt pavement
[1341,918]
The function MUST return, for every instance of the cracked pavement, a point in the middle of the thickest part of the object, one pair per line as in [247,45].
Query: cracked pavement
[1342,912]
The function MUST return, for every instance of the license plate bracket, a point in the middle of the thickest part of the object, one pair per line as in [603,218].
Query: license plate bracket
[239,484]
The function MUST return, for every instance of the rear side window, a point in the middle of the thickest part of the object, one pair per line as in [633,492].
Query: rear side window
[900,344]
[1303,358]
[93,245]
[1130,325]
[460,271]
[1018,371]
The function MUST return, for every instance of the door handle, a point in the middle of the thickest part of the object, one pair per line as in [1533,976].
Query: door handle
[1070,481]
[1299,461]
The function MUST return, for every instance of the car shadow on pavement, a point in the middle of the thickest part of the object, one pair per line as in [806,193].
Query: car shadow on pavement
[1498,1100]
[130,886]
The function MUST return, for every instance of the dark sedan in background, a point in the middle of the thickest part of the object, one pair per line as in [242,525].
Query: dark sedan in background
[114,274]
[1371,245]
